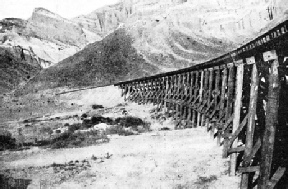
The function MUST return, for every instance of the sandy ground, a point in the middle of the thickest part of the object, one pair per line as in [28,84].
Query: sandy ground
[179,159]
[168,159]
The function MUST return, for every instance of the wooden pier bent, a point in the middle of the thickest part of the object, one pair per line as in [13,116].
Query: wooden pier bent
[236,98]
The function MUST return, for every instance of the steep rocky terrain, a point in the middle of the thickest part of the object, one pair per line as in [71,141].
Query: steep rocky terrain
[45,39]
[101,63]
[166,35]
[47,34]
[16,68]
[174,34]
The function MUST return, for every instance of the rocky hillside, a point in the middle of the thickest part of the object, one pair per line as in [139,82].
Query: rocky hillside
[16,68]
[42,41]
[101,63]
[173,34]
[162,34]
[47,34]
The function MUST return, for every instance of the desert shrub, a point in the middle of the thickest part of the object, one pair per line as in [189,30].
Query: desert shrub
[96,119]
[97,106]
[100,119]
[129,121]
[26,121]
[84,116]
[121,104]
[68,140]
[47,130]
[74,127]
[86,124]
[6,141]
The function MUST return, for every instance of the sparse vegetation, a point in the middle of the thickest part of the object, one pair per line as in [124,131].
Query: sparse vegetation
[69,140]
[128,126]
[6,141]
[206,180]
[74,127]
[129,121]
[84,116]
[97,106]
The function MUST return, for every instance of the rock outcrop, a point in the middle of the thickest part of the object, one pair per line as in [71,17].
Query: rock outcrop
[48,35]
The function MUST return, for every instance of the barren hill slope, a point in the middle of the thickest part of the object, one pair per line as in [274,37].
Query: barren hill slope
[105,62]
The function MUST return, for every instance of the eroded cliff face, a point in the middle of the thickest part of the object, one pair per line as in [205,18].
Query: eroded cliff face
[177,34]
[47,25]
[172,34]
[48,35]
[28,46]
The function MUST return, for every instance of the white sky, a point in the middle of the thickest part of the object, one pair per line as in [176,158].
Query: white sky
[65,8]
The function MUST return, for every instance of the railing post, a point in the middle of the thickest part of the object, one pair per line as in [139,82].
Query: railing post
[271,120]
[237,108]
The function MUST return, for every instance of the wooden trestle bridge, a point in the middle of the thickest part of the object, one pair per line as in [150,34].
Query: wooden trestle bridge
[240,97]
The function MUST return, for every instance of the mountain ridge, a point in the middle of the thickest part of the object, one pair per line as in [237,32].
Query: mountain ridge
[165,35]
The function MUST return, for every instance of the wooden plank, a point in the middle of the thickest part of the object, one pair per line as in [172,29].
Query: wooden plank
[276,177]
[270,55]
[200,97]
[210,101]
[194,123]
[233,137]
[271,121]
[249,169]
[178,85]
[174,93]
[250,60]
[205,96]
[237,132]
[189,98]
[236,119]
[247,160]
[228,122]
[236,150]
[223,89]
[216,104]
[228,108]
[183,79]
[251,124]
